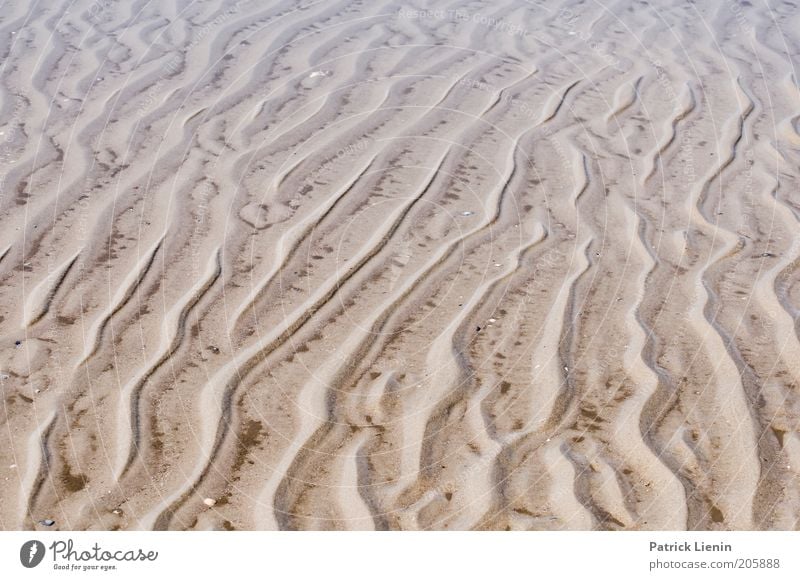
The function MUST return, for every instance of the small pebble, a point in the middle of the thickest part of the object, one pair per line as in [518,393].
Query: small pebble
[210,502]
[47,523]
[214,349]
[116,511]
[492,320]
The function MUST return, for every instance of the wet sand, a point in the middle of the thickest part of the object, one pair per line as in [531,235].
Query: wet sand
[354,265]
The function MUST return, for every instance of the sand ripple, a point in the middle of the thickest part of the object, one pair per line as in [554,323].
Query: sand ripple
[351,265]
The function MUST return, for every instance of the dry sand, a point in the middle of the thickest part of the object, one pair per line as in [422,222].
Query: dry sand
[349,265]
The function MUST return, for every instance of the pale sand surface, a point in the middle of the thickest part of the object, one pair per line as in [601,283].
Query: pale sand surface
[342,265]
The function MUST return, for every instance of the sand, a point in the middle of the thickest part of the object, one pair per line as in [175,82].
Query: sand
[368,265]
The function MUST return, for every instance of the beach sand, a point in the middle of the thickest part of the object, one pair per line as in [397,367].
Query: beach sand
[369,265]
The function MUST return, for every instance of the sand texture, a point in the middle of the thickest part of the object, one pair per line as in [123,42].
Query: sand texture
[368,265]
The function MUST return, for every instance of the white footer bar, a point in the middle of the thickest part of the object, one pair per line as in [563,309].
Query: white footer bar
[403,555]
